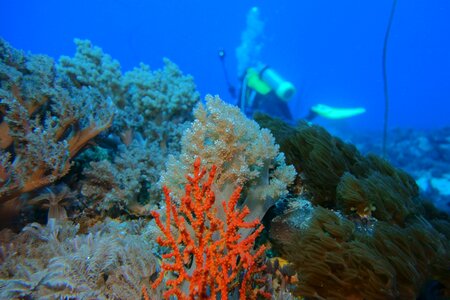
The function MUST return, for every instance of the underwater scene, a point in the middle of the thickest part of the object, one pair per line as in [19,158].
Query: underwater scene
[200,149]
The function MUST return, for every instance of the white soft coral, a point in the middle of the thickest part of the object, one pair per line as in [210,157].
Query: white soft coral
[244,154]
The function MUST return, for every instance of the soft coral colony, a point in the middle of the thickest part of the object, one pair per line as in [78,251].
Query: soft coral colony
[118,186]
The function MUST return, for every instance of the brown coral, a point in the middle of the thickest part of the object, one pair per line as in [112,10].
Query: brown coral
[44,125]
[368,234]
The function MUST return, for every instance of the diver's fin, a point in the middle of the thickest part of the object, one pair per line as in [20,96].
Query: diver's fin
[337,113]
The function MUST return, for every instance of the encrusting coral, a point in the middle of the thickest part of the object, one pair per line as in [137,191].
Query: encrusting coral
[366,232]
[208,255]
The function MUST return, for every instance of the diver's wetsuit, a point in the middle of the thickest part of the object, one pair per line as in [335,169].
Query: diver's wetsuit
[269,104]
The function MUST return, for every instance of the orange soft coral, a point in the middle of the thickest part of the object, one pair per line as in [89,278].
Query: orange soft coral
[207,254]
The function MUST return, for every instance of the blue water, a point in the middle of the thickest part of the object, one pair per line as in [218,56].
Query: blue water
[330,50]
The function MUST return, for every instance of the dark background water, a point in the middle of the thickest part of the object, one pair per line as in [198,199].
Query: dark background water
[331,50]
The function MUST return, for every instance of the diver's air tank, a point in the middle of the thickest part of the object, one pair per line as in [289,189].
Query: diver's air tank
[283,88]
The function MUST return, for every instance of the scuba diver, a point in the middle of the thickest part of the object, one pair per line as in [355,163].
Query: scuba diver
[264,90]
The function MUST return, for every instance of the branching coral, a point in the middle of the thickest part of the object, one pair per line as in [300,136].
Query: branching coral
[219,253]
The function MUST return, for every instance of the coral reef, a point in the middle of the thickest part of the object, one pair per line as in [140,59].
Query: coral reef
[158,105]
[362,228]
[345,225]
[151,103]
[44,125]
[128,183]
[152,110]
[52,111]
[161,95]
[90,67]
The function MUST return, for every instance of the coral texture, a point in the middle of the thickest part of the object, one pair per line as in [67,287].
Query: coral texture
[90,67]
[152,110]
[44,126]
[243,153]
[214,250]
[368,234]
[151,103]
[112,261]
[162,94]
[128,183]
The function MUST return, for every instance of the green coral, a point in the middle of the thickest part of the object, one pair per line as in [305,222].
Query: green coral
[152,109]
[161,94]
[93,68]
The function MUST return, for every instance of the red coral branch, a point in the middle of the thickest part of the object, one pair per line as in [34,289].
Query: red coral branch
[207,255]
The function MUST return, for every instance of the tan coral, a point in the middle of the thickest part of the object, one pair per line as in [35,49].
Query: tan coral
[244,155]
